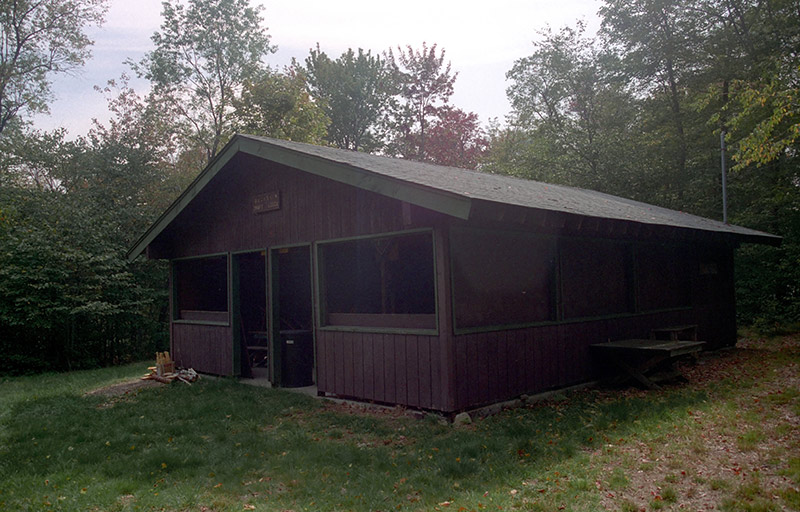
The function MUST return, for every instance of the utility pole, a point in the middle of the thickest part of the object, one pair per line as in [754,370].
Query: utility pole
[722,149]
[724,176]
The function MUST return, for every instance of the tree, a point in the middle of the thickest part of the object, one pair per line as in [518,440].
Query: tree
[38,39]
[456,139]
[657,41]
[278,105]
[641,115]
[69,298]
[576,113]
[354,91]
[204,54]
[425,83]
[763,114]
[67,218]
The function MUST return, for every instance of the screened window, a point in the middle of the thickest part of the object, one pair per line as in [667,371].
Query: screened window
[664,277]
[201,289]
[384,281]
[502,279]
[596,278]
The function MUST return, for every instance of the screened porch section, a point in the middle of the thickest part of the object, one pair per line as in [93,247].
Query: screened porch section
[378,282]
[201,289]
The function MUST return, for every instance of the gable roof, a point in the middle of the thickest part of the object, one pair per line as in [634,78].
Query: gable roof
[447,190]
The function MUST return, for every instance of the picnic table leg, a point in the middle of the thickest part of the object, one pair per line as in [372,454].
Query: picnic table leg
[637,374]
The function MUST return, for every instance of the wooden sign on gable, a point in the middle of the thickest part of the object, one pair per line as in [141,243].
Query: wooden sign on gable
[267,202]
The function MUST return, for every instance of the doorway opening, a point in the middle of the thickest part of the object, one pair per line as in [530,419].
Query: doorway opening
[251,338]
[292,317]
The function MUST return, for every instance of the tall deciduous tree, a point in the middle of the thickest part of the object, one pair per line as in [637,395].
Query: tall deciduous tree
[354,91]
[278,105]
[204,53]
[425,84]
[575,112]
[40,38]
[658,44]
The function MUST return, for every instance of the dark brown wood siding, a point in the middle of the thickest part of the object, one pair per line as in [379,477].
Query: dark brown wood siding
[222,219]
[206,348]
[441,371]
[496,366]
[714,297]
[379,367]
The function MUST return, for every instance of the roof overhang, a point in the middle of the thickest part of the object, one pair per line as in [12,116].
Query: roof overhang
[454,192]
[427,197]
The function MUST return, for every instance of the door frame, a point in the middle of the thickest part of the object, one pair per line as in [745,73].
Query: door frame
[236,306]
[273,307]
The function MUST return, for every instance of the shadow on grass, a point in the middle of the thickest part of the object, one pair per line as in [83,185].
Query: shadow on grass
[223,444]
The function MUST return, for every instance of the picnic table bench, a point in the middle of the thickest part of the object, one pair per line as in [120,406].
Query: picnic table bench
[675,332]
[637,357]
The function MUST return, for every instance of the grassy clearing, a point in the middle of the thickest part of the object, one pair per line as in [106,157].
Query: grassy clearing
[730,436]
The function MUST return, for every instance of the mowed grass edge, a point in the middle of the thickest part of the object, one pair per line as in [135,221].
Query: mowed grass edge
[223,445]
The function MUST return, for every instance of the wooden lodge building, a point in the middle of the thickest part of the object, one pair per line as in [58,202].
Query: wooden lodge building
[401,282]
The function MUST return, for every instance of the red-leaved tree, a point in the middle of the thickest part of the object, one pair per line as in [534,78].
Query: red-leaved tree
[456,138]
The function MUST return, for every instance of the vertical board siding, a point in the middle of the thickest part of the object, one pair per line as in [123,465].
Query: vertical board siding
[206,348]
[338,361]
[498,366]
[424,356]
[401,379]
[390,367]
[349,364]
[359,375]
[412,370]
[312,208]
[385,368]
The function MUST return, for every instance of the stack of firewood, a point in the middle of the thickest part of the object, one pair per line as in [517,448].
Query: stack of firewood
[164,365]
[164,371]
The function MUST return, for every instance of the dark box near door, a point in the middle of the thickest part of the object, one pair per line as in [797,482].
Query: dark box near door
[297,359]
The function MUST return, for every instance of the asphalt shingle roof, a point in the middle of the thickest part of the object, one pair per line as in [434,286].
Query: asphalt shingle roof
[516,191]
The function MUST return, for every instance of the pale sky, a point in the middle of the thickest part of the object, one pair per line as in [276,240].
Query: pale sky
[482,41]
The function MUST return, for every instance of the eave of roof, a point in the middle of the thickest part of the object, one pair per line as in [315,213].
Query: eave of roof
[446,190]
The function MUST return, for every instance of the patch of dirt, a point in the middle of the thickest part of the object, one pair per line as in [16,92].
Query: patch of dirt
[122,391]
[122,388]
[373,410]
[736,452]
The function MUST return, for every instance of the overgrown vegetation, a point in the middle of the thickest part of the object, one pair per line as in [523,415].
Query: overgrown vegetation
[222,445]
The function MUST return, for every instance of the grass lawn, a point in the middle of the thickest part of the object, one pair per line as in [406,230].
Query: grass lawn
[728,440]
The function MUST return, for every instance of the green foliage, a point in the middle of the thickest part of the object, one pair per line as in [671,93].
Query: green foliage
[277,105]
[37,40]
[205,52]
[70,299]
[353,91]
[638,113]
[69,211]
[572,117]
[425,84]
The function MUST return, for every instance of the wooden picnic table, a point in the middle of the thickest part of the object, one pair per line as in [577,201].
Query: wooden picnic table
[637,357]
